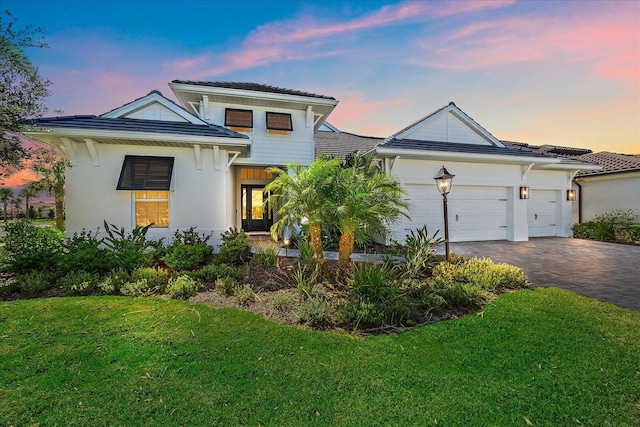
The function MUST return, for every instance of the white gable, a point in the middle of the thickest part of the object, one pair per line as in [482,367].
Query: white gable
[155,111]
[153,106]
[450,125]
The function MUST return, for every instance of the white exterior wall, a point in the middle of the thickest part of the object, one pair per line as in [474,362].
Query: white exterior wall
[197,197]
[446,128]
[272,149]
[156,111]
[503,178]
[607,193]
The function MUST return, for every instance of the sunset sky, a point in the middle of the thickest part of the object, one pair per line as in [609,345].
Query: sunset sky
[562,73]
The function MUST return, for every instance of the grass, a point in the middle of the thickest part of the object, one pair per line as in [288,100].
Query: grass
[542,357]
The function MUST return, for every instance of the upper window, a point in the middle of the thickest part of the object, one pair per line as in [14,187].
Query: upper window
[279,122]
[238,119]
[145,173]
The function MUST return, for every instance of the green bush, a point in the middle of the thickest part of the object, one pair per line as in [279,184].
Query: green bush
[137,288]
[615,226]
[212,272]
[146,281]
[268,256]
[282,300]
[129,250]
[28,248]
[188,250]
[244,294]
[314,310]
[78,283]
[417,253]
[114,281]
[481,272]
[374,282]
[35,282]
[235,248]
[307,255]
[84,251]
[456,294]
[226,285]
[182,287]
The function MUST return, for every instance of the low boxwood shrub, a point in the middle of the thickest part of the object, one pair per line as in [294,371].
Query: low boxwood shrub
[614,226]
[35,282]
[481,272]
[146,281]
[114,281]
[226,285]
[455,294]
[212,272]
[182,287]
[188,250]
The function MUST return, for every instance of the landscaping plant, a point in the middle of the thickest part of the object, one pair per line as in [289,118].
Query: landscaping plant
[235,248]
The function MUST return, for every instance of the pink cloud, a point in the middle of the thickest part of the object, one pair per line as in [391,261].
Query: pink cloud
[355,114]
[302,39]
[608,43]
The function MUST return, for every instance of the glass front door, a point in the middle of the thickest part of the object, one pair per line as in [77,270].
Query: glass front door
[255,215]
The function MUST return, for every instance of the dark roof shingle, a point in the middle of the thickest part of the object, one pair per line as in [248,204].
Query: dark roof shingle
[257,87]
[137,125]
[339,144]
[611,163]
[412,144]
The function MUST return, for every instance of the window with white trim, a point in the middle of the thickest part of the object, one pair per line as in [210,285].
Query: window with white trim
[152,207]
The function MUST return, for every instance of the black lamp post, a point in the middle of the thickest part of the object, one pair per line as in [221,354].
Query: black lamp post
[443,181]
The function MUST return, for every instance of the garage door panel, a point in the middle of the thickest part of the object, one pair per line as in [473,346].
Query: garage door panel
[541,213]
[475,213]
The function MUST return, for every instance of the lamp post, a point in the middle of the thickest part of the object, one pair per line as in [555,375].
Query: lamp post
[443,181]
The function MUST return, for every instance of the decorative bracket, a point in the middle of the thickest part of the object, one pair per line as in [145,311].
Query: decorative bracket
[309,121]
[69,151]
[571,176]
[198,153]
[216,157]
[92,146]
[525,170]
[235,155]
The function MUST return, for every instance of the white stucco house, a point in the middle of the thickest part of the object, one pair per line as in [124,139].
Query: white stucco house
[202,164]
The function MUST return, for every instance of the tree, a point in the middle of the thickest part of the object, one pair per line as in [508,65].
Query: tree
[364,200]
[6,194]
[50,169]
[17,204]
[303,194]
[22,90]
[28,193]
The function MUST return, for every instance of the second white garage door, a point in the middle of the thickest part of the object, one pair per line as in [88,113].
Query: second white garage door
[541,213]
[475,213]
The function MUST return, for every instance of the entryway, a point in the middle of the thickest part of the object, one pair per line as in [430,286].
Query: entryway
[256,214]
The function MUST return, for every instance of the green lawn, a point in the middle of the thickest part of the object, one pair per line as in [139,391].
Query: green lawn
[542,357]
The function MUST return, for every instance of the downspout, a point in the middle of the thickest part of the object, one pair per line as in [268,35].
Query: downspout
[579,201]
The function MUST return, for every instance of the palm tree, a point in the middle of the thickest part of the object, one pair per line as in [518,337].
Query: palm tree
[28,193]
[6,194]
[364,199]
[303,194]
[51,168]
[17,204]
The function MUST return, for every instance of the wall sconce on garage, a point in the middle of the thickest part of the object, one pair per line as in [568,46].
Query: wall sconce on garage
[571,195]
[524,192]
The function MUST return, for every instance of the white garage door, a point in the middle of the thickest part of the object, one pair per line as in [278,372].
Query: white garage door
[541,213]
[475,213]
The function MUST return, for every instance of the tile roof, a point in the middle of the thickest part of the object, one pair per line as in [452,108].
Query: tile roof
[257,87]
[551,149]
[611,163]
[339,144]
[137,125]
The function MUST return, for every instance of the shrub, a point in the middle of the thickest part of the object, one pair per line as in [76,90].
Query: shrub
[129,250]
[268,256]
[188,250]
[307,255]
[418,253]
[212,272]
[84,251]
[114,281]
[456,294]
[146,281]
[35,282]
[306,280]
[282,300]
[314,310]
[28,248]
[374,282]
[182,286]
[226,285]
[244,295]
[481,272]
[615,226]
[361,313]
[78,282]
[235,248]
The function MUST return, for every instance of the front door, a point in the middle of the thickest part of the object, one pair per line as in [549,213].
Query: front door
[255,215]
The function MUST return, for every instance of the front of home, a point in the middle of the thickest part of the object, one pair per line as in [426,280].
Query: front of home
[203,164]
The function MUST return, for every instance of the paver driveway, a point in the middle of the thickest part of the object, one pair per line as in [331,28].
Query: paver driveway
[607,271]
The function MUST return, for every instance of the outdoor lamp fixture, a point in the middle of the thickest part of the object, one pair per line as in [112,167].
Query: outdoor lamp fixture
[524,192]
[443,181]
[287,242]
[571,195]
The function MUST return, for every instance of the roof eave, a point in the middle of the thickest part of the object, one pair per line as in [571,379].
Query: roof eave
[464,157]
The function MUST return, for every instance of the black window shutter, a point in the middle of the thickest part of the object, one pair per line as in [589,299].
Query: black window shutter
[146,173]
